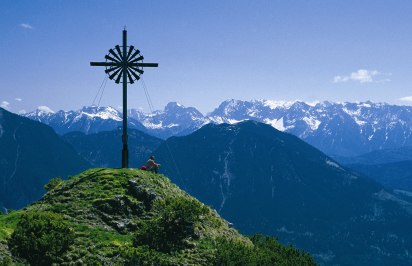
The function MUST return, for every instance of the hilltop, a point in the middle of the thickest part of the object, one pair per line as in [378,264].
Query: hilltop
[134,217]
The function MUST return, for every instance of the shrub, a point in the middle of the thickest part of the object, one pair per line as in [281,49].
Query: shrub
[266,250]
[6,261]
[41,238]
[53,183]
[178,217]
[143,255]
[272,251]
[230,252]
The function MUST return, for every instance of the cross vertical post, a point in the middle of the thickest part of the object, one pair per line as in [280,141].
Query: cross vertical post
[125,150]
[124,65]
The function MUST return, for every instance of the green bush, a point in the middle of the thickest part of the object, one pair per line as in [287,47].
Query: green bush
[175,225]
[6,261]
[41,238]
[53,183]
[230,252]
[266,250]
[143,256]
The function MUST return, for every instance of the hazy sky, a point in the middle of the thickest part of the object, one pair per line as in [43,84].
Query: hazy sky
[208,51]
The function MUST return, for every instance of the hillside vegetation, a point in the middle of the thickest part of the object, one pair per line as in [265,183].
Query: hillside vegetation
[129,217]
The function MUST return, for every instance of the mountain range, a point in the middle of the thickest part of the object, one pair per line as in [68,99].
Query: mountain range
[89,119]
[264,180]
[174,120]
[31,153]
[346,129]
[342,129]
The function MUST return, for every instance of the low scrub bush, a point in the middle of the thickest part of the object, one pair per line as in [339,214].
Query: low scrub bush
[53,183]
[173,227]
[41,238]
[266,250]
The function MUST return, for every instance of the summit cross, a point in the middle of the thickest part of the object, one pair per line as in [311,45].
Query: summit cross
[124,64]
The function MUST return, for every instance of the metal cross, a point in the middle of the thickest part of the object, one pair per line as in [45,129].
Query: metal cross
[124,63]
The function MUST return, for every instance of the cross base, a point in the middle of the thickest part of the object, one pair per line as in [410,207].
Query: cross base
[125,156]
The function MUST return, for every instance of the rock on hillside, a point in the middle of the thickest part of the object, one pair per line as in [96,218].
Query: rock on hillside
[134,217]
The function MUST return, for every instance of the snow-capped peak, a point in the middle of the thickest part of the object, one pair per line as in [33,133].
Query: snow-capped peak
[276,104]
[44,110]
[173,105]
[101,112]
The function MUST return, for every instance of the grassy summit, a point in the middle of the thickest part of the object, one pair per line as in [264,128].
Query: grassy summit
[132,217]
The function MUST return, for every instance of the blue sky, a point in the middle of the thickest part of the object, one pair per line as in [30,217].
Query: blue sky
[208,51]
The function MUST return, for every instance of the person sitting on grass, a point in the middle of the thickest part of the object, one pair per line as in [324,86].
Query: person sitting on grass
[152,165]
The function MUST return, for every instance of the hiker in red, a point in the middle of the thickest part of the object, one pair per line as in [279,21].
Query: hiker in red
[152,165]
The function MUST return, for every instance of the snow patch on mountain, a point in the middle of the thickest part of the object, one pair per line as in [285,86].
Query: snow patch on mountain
[368,105]
[44,110]
[384,195]
[276,104]
[276,123]
[325,256]
[353,113]
[359,122]
[313,104]
[312,122]
[226,177]
[403,192]
[104,113]
[172,125]
[283,229]
[152,125]
[234,121]
[333,164]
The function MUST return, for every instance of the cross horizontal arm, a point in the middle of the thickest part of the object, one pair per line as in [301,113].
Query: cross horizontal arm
[121,64]
[105,64]
[143,64]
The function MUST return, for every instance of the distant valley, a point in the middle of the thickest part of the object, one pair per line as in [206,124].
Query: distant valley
[390,167]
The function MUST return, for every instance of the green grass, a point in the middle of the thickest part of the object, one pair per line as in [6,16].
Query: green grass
[8,223]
